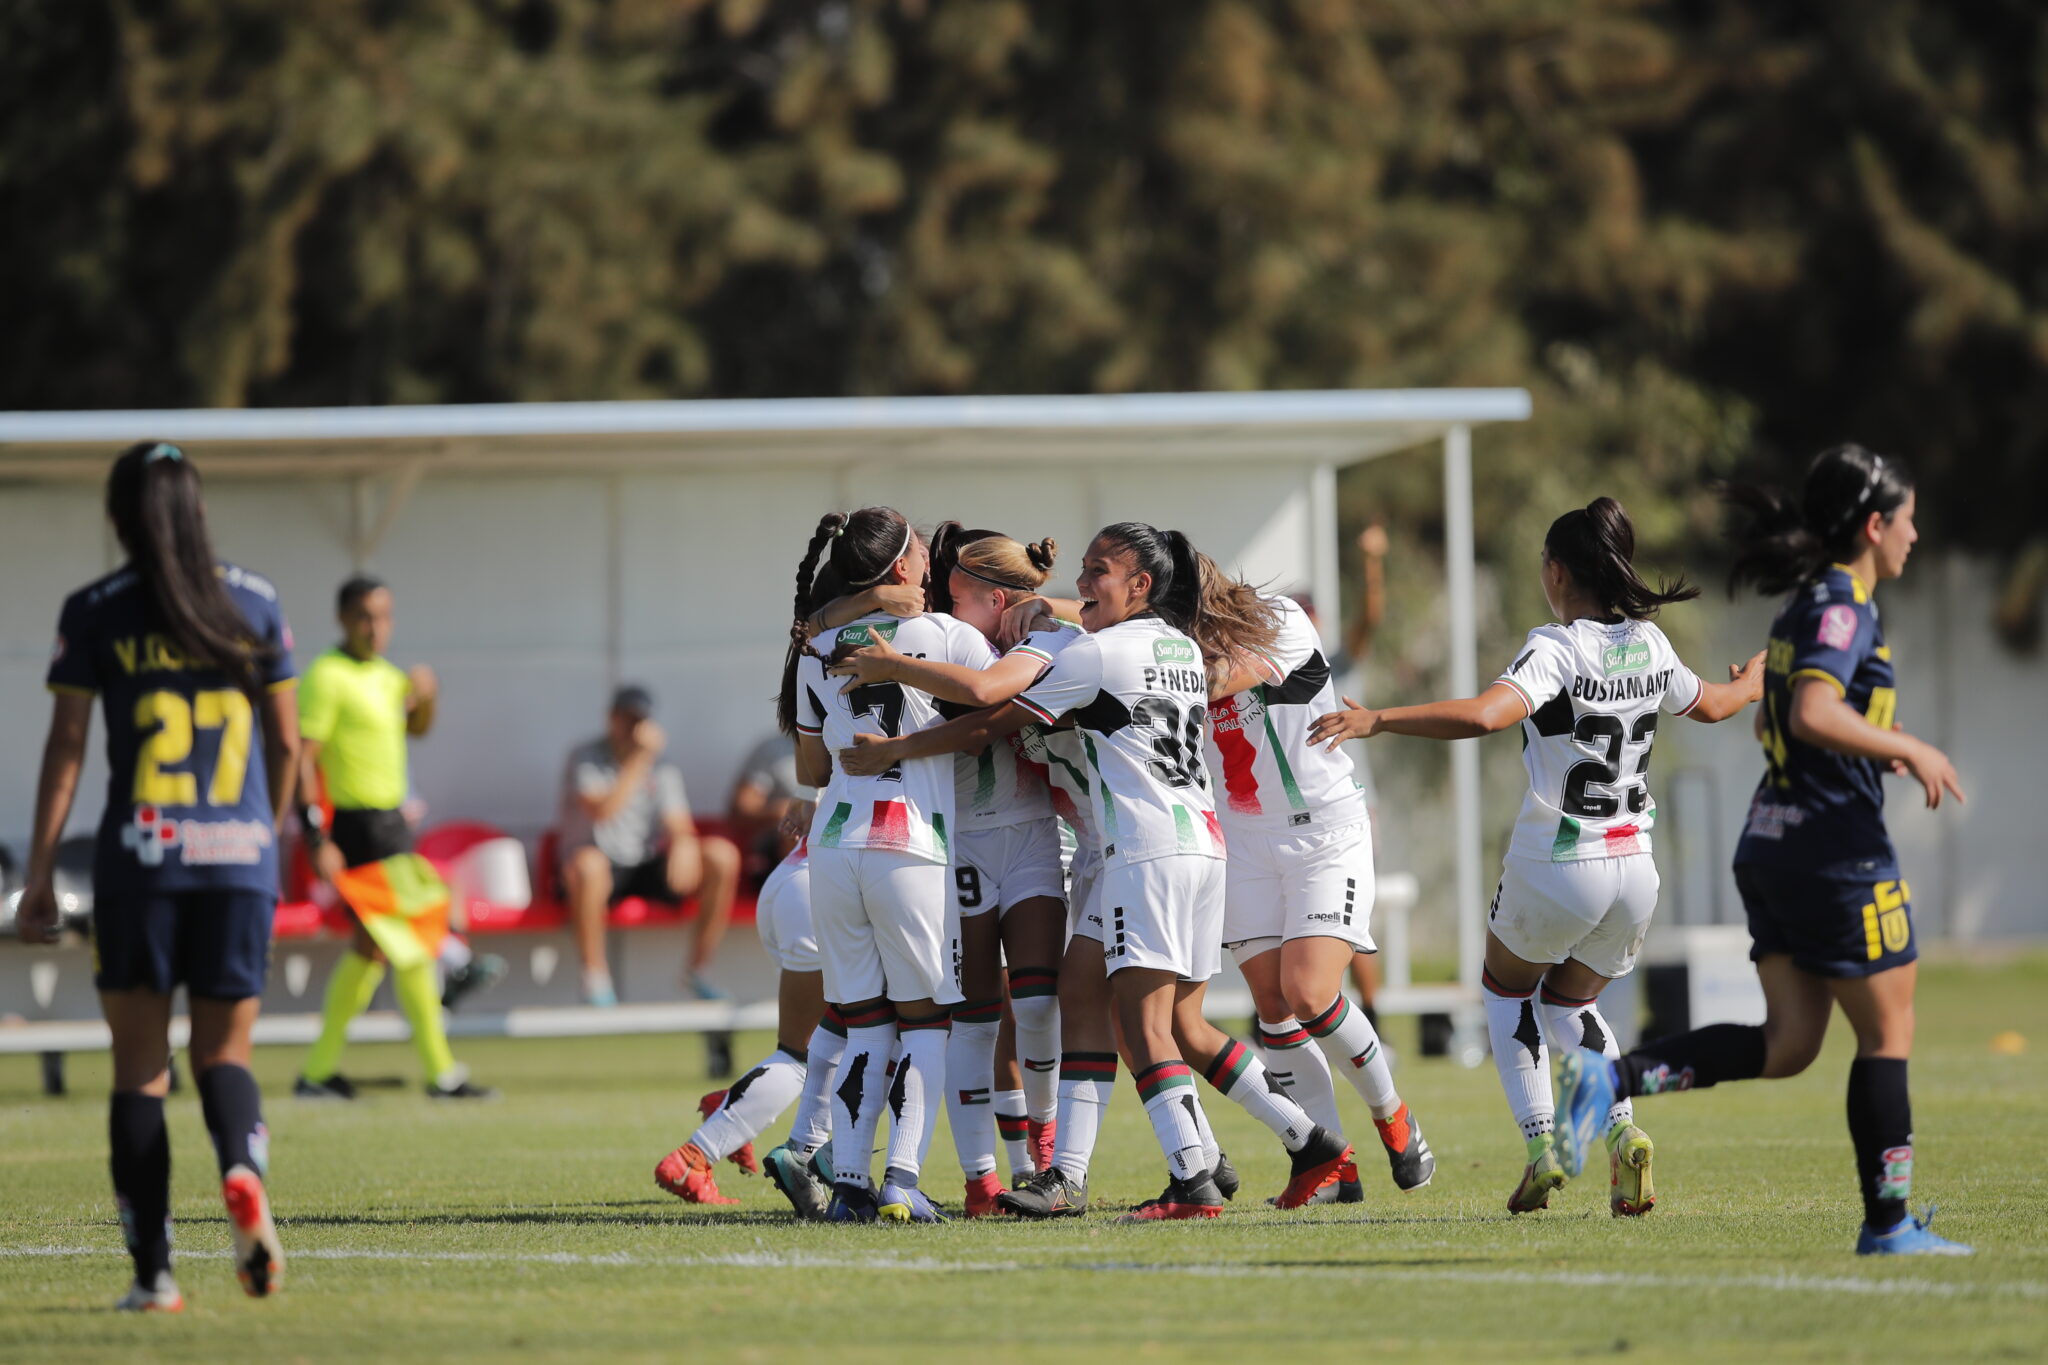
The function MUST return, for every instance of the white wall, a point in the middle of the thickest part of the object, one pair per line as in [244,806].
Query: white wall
[505,586]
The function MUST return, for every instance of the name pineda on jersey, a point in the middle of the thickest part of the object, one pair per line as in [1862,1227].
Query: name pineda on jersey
[1162,673]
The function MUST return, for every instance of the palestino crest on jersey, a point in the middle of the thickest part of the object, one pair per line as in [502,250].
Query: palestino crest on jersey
[1241,711]
[149,834]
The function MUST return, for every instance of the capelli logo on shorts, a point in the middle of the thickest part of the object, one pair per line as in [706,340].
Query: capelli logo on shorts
[1300,818]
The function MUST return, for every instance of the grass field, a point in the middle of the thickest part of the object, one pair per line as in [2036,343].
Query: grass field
[532,1227]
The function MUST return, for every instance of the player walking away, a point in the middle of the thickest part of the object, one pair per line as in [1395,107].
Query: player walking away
[1578,885]
[1008,881]
[887,930]
[193,660]
[1298,887]
[356,710]
[1830,915]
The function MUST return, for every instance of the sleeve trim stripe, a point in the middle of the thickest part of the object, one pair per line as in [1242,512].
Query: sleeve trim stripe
[1821,673]
[283,685]
[1699,691]
[1032,650]
[71,690]
[1038,711]
[804,729]
[1521,692]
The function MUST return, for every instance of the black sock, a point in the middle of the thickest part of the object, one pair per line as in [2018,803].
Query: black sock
[140,1158]
[1692,1061]
[1881,1127]
[1372,1016]
[234,1116]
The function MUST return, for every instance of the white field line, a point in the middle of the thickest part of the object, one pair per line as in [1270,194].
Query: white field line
[780,1260]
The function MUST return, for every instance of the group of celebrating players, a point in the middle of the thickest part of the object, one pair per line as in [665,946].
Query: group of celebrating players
[1039,824]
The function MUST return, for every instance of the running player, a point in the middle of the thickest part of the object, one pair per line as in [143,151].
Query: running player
[1578,886]
[1298,887]
[1009,884]
[1830,916]
[190,656]
[887,930]
[356,710]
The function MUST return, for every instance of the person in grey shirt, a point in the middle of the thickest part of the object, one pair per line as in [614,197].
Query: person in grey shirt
[627,832]
[762,794]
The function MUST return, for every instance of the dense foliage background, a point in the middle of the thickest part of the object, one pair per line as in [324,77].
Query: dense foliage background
[1709,234]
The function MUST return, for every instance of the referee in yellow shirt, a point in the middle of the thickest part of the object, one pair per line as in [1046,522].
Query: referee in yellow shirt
[356,710]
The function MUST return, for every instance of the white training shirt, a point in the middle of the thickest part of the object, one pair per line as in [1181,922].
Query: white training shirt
[1138,697]
[1270,777]
[1058,753]
[1593,692]
[909,808]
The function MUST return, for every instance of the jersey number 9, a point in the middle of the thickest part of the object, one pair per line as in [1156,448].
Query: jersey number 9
[170,743]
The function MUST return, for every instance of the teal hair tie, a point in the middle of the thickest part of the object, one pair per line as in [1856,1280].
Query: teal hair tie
[163,450]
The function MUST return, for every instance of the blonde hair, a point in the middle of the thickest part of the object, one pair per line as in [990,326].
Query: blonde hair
[1004,563]
[1233,621]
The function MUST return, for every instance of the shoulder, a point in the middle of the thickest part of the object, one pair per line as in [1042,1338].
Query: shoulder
[1549,639]
[328,661]
[247,582]
[103,591]
[590,751]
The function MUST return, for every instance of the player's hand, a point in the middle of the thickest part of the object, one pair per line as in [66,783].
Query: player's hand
[425,686]
[649,738]
[903,600]
[1751,675]
[328,862]
[1372,541]
[1931,768]
[872,663]
[1021,618]
[1353,722]
[869,756]
[796,820]
[35,918]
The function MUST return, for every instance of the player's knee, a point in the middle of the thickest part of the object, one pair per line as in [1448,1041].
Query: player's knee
[721,856]
[1788,1052]
[588,872]
[1036,1011]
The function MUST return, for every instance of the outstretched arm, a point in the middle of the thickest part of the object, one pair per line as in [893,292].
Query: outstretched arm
[1718,701]
[1823,718]
[872,754]
[1495,709]
[881,662]
[895,599]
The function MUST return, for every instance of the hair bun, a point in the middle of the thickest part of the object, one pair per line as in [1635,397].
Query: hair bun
[1043,553]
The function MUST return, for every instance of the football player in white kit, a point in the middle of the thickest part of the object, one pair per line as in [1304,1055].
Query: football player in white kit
[885,922]
[1578,885]
[1009,884]
[1298,888]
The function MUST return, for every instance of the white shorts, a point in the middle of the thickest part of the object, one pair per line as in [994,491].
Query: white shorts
[782,917]
[1003,867]
[1316,884]
[1164,913]
[1595,910]
[885,926]
[1084,899]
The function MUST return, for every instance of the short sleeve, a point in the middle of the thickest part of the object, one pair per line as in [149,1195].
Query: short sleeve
[74,664]
[1074,680]
[669,797]
[1540,671]
[1296,645]
[967,646]
[1829,640]
[1683,690]
[591,778]
[278,670]
[318,704]
[810,707]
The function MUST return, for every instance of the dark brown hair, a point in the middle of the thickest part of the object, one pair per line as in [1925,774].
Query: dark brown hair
[1596,544]
[864,545]
[1779,546]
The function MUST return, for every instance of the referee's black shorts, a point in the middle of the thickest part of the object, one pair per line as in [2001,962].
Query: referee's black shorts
[370,836]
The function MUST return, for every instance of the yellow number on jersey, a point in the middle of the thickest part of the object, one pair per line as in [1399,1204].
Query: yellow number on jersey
[171,743]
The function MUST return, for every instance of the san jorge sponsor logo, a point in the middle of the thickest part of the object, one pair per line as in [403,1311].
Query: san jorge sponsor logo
[1632,656]
[1173,651]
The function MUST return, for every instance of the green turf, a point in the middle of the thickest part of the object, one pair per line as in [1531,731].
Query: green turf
[532,1227]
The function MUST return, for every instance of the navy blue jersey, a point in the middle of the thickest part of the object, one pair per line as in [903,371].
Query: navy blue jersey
[1815,803]
[188,800]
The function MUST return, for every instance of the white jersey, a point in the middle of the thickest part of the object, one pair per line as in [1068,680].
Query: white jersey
[909,808]
[1593,693]
[1138,697]
[1003,784]
[1058,753]
[1273,780]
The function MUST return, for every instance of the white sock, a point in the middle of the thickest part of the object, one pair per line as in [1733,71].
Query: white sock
[1578,1023]
[914,1095]
[858,1099]
[1242,1077]
[1035,1009]
[1087,1079]
[755,1100]
[811,1128]
[970,1081]
[1013,1126]
[1520,1056]
[596,980]
[1168,1089]
[454,954]
[1212,1150]
[1297,1066]
[1349,1043]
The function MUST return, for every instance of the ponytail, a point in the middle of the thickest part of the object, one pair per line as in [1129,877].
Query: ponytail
[829,526]
[1234,620]
[859,550]
[154,502]
[947,539]
[1170,560]
[1596,544]
[1780,546]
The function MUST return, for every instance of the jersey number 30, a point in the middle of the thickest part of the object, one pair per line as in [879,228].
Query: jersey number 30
[1177,739]
[171,719]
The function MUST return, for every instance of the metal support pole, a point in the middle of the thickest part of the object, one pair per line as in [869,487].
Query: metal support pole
[1464,682]
[1326,584]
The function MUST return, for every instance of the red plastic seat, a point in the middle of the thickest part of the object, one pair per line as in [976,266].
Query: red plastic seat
[297,919]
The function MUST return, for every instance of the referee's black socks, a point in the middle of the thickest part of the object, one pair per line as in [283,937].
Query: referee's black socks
[1881,1127]
[140,1158]
[1692,1061]
[234,1116]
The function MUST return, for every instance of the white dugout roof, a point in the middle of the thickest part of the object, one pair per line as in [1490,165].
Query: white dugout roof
[1251,475]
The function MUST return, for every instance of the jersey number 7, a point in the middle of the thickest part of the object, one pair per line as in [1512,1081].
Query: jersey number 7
[883,702]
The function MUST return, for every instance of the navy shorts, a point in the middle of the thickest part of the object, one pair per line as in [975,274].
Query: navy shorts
[214,943]
[1848,919]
